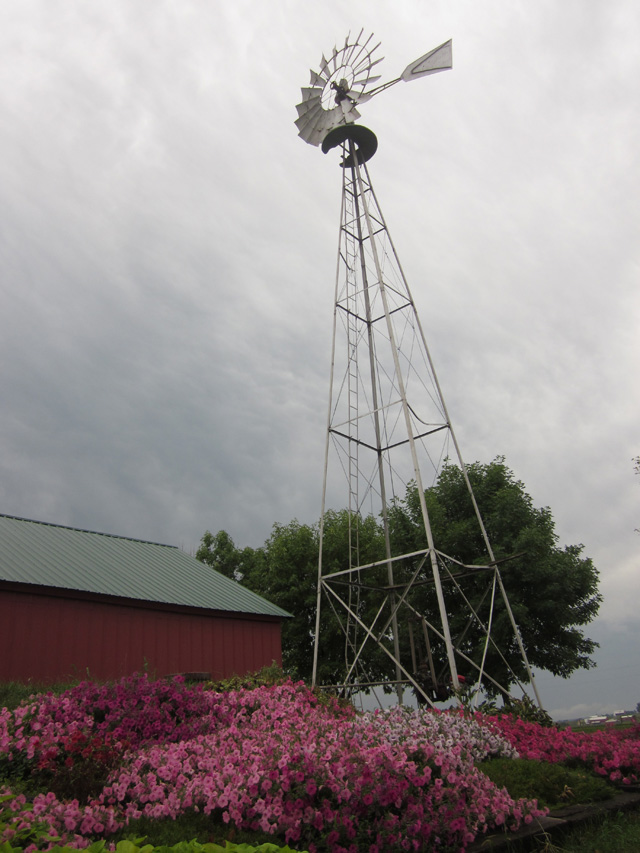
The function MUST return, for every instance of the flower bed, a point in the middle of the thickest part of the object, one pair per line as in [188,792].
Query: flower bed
[614,754]
[273,759]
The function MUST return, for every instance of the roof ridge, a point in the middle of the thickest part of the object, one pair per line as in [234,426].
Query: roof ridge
[84,530]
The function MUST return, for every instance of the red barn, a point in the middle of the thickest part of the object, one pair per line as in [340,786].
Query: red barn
[75,603]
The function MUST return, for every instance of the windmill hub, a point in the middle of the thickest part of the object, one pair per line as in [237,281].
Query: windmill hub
[341,89]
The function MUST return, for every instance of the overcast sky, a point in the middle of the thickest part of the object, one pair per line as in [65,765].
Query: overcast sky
[167,251]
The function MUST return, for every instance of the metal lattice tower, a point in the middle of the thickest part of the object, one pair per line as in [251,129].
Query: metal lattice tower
[388,431]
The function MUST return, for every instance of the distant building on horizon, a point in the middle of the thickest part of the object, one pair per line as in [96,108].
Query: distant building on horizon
[81,604]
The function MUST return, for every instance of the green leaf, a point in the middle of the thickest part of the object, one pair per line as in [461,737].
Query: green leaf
[126,846]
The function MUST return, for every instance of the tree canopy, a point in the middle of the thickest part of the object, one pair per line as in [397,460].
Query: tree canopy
[285,571]
[553,590]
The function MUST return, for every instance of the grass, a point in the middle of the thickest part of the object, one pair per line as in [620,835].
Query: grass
[553,785]
[12,693]
[616,833]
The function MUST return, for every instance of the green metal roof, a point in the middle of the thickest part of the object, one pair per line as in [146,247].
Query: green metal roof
[34,552]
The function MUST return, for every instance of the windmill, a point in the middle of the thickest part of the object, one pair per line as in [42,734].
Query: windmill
[423,616]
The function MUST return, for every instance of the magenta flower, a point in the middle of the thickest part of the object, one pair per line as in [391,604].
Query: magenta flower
[272,760]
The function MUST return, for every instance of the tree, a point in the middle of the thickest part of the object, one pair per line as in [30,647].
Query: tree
[285,571]
[221,554]
[553,591]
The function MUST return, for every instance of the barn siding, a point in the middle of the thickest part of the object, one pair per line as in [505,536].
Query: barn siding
[44,638]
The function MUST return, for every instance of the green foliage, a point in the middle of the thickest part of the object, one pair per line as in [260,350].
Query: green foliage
[207,834]
[138,846]
[285,571]
[269,676]
[12,693]
[523,709]
[616,833]
[265,677]
[553,785]
[553,591]
[221,554]
[15,772]
[31,832]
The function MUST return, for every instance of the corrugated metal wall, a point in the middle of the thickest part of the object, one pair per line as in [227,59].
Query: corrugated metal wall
[45,638]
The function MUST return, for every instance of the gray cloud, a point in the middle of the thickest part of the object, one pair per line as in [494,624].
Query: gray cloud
[168,251]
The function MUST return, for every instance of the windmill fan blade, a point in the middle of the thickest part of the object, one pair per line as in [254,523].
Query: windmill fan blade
[368,64]
[306,107]
[321,127]
[309,117]
[349,50]
[366,81]
[334,58]
[311,100]
[361,97]
[314,125]
[438,59]
[363,55]
[310,133]
[308,94]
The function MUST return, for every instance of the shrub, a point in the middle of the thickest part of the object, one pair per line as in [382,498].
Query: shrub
[268,676]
